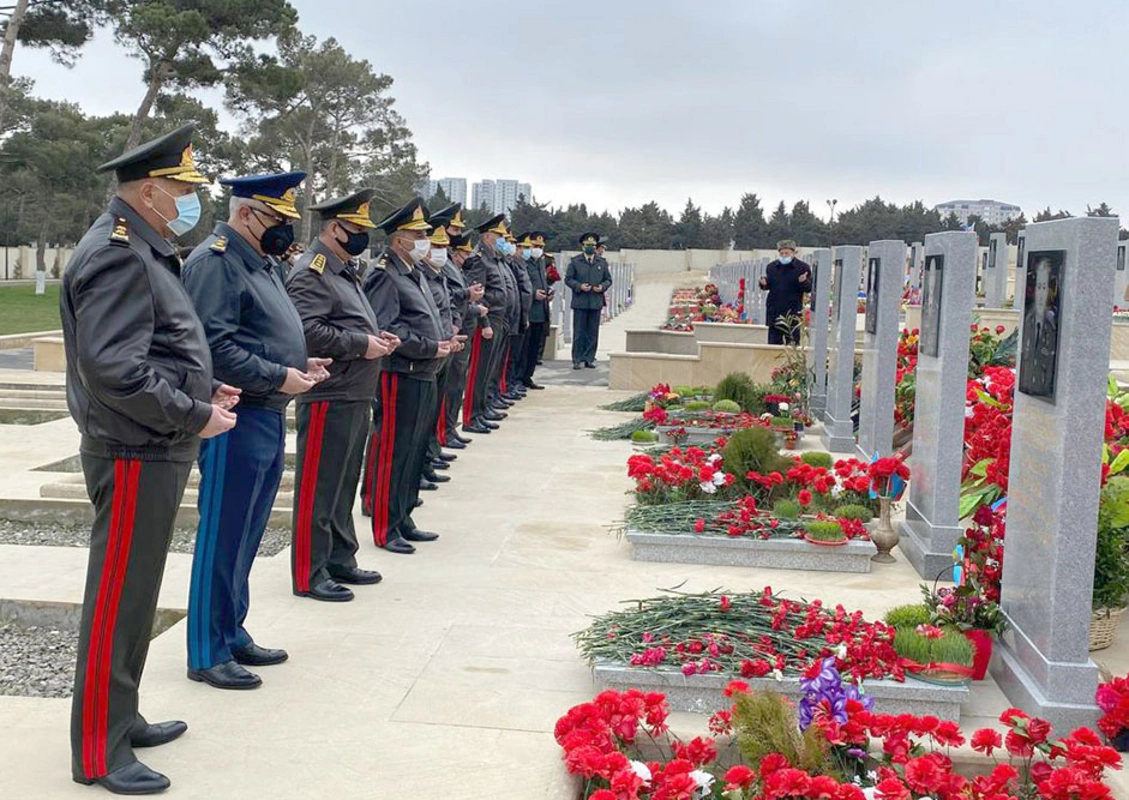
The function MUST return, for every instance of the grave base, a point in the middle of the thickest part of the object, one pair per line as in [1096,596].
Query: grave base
[725,551]
[927,547]
[837,436]
[702,694]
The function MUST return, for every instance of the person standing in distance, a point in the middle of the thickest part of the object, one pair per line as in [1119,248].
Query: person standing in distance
[257,344]
[589,277]
[140,388]
[787,279]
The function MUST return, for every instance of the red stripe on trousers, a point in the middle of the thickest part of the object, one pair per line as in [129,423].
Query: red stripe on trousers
[383,476]
[366,490]
[441,423]
[96,688]
[308,485]
[472,377]
[502,385]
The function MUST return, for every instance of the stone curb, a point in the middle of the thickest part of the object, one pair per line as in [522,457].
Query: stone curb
[725,551]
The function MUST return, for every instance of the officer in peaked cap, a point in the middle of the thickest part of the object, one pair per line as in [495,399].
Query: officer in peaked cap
[333,416]
[588,277]
[534,257]
[486,267]
[500,393]
[257,344]
[403,304]
[466,310]
[140,388]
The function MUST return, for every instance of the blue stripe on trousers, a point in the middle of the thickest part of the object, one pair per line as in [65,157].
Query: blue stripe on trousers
[210,503]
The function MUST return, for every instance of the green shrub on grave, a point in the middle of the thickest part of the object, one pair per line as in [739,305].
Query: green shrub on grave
[696,405]
[817,459]
[753,450]
[727,407]
[682,390]
[739,387]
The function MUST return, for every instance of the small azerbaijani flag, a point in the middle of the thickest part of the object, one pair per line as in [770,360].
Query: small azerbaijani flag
[897,484]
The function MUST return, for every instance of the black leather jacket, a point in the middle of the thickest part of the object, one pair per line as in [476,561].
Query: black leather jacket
[404,305]
[253,329]
[524,289]
[484,267]
[539,309]
[437,284]
[337,321]
[459,291]
[139,373]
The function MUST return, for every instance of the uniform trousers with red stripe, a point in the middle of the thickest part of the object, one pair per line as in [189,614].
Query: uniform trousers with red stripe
[482,361]
[438,436]
[456,387]
[135,505]
[407,408]
[498,359]
[331,447]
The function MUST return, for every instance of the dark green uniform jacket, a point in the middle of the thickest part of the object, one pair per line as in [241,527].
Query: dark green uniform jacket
[594,272]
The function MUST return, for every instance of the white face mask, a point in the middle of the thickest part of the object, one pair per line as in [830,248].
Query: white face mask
[538,252]
[420,249]
[438,257]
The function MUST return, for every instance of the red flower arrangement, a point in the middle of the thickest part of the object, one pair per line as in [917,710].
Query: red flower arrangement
[1113,699]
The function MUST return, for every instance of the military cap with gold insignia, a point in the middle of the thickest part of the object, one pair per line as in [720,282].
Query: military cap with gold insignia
[525,240]
[590,238]
[412,217]
[445,217]
[539,238]
[169,156]
[461,241]
[496,224]
[510,235]
[275,191]
[439,237]
[354,208]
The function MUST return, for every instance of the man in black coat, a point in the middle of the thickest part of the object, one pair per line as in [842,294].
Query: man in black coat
[333,417]
[486,267]
[403,419]
[787,279]
[589,277]
[140,388]
[534,257]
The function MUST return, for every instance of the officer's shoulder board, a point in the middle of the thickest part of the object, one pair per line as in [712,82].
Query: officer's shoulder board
[381,262]
[220,245]
[119,233]
[318,264]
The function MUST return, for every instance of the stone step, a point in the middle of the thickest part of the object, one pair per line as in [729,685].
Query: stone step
[75,485]
[76,490]
[52,403]
[34,393]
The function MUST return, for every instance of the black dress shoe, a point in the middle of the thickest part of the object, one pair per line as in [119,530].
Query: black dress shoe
[416,535]
[495,416]
[439,463]
[491,425]
[431,476]
[474,427]
[417,503]
[254,656]
[329,591]
[427,486]
[355,575]
[590,365]
[135,778]
[447,456]
[398,545]
[227,675]
[455,436]
[532,385]
[456,444]
[577,366]
[158,733]
[540,362]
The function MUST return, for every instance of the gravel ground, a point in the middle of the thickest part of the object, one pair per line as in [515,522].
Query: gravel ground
[52,534]
[37,661]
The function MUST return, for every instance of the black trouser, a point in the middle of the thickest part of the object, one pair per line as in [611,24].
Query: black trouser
[135,505]
[514,361]
[482,356]
[585,334]
[331,446]
[407,408]
[534,343]
[438,436]
[456,388]
[778,326]
[498,361]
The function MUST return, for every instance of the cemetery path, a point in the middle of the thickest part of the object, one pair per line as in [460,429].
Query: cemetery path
[648,310]
[451,673]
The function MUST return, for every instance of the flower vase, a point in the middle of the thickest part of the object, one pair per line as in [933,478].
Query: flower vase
[982,644]
[884,536]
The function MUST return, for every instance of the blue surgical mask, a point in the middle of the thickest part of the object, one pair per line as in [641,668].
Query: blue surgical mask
[527,253]
[785,259]
[188,212]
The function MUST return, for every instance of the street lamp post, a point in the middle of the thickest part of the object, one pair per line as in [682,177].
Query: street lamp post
[831,205]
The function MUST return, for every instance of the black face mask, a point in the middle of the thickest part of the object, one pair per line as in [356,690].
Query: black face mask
[355,243]
[277,239]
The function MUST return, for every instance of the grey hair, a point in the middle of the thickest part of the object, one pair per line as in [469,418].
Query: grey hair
[237,203]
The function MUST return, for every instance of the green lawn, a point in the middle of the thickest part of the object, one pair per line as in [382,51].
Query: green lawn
[21,311]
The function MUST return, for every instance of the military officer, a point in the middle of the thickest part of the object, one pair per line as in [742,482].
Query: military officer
[140,388]
[333,416]
[404,305]
[499,395]
[450,220]
[515,388]
[485,267]
[257,344]
[589,277]
[533,256]
[467,309]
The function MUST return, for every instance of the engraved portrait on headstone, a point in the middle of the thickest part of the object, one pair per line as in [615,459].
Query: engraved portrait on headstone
[992,254]
[1039,349]
[931,304]
[872,289]
[1121,258]
[837,289]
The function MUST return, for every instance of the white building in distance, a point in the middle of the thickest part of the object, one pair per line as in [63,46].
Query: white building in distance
[992,212]
[499,196]
[453,188]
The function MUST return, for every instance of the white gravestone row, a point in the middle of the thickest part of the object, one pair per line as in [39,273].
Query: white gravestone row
[838,434]
[818,329]
[996,272]
[884,269]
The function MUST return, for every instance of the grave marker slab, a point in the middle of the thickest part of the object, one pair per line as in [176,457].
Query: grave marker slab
[1043,663]
[885,263]
[838,434]
[996,273]
[932,526]
[820,323]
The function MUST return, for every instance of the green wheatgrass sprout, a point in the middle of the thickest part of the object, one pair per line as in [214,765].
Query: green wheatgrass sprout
[622,431]
[727,407]
[696,405]
[817,459]
[908,616]
[952,648]
[636,403]
[786,509]
[682,390]
[644,436]
[853,511]
[824,531]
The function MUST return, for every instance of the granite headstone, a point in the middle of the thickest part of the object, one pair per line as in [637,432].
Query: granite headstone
[838,434]
[820,322]
[1043,663]
[932,526]
[886,261]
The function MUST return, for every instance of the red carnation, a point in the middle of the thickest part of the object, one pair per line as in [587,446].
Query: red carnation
[804,498]
[739,777]
[986,740]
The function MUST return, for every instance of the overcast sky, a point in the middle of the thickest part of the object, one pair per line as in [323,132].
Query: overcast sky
[618,102]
